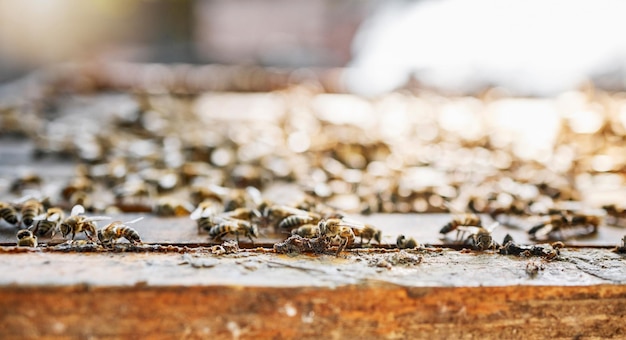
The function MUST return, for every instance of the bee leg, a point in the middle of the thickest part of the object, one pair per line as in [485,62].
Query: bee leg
[341,247]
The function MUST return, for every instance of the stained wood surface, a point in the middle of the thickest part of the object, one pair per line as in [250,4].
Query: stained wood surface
[366,295]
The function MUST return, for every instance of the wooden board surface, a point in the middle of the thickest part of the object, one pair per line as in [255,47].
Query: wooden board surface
[256,294]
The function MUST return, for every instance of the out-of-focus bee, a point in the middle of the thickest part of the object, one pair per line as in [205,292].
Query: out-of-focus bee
[77,184]
[162,179]
[170,206]
[246,214]
[553,227]
[113,231]
[81,198]
[335,228]
[134,189]
[77,223]
[465,220]
[199,194]
[369,232]
[406,243]
[237,198]
[307,231]
[226,226]
[204,215]
[25,182]
[31,209]
[8,213]
[479,237]
[295,221]
[47,222]
[615,215]
[275,214]
[25,238]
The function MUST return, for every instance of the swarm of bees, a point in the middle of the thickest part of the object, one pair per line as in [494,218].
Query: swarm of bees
[140,159]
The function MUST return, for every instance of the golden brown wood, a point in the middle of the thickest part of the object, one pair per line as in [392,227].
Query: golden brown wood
[366,311]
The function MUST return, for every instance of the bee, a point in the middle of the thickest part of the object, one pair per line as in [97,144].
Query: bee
[205,214]
[27,181]
[25,238]
[403,243]
[135,190]
[8,213]
[615,215]
[77,184]
[47,222]
[113,231]
[77,223]
[275,214]
[553,227]
[295,221]
[199,194]
[31,209]
[235,199]
[307,231]
[335,228]
[465,220]
[227,226]
[368,232]
[479,237]
[246,214]
[169,206]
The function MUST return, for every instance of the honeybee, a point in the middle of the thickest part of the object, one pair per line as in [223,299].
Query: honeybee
[465,220]
[615,215]
[113,231]
[247,214]
[31,209]
[77,223]
[169,206]
[27,181]
[47,222]
[557,222]
[204,214]
[307,231]
[227,226]
[77,184]
[479,237]
[295,221]
[335,228]
[8,213]
[135,189]
[406,243]
[199,194]
[368,232]
[275,214]
[25,238]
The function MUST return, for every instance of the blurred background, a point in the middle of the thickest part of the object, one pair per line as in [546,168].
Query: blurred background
[528,47]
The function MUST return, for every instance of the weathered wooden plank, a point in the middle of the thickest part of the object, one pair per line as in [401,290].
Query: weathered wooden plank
[249,295]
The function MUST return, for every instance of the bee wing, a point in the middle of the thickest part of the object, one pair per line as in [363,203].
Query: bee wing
[135,220]
[352,223]
[96,218]
[469,229]
[54,217]
[493,226]
[255,195]
[77,210]
[222,191]
[453,209]
[40,217]
[196,214]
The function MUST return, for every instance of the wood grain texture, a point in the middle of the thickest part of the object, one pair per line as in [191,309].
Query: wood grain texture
[363,312]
